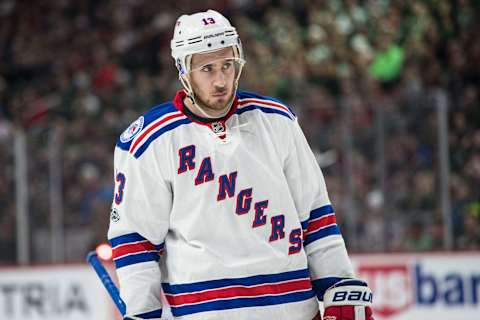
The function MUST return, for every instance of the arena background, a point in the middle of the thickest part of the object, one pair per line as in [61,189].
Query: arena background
[387,93]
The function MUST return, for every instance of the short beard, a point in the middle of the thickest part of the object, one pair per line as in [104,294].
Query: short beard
[209,108]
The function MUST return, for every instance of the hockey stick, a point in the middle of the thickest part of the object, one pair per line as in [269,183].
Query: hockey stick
[92,259]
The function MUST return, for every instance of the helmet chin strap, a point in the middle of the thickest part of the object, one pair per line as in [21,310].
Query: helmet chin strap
[205,113]
[202,108]
[191,94]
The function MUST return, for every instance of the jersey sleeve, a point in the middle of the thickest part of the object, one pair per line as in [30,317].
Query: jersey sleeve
[139,223]
[322,240]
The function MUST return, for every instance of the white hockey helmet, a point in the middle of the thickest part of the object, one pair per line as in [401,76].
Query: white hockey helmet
[202,32]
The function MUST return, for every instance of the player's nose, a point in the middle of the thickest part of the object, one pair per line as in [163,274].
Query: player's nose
[220,80]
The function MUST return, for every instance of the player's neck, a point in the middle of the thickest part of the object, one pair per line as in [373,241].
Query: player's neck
[191,115]
[203,111]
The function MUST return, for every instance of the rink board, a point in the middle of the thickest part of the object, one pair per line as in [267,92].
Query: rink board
[405,286]
[60,292]
[427,287]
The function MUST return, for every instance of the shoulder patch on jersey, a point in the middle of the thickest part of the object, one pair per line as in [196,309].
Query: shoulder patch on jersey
[136,138]
[132,130]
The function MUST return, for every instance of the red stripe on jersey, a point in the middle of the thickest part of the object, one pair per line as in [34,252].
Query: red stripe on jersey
[239,291]
[132,248]
[269,103]
[322,222]
[152,127]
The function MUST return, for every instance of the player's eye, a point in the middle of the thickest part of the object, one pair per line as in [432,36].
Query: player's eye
[227,65]
[206,68]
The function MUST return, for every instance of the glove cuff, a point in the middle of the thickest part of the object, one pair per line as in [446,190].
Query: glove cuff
[348,292]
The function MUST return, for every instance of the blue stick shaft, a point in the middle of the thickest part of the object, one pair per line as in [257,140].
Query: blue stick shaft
[107,281]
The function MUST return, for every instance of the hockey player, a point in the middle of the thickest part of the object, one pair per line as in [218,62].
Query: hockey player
[219,201]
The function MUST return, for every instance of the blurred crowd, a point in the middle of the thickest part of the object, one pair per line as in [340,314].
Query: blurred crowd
[367,79]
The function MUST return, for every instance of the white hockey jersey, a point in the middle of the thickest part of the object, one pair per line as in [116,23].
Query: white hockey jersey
[231,219]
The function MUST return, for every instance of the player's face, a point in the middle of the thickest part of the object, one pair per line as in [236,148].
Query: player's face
[212,78]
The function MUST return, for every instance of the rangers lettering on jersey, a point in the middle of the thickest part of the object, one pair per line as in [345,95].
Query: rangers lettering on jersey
[227,187]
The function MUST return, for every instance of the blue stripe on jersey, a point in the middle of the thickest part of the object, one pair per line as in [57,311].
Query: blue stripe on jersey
[158,133]
[136,258]
[150,116]
[263,109]
[321,285]
[247,94]
[242,303]
[129,238]
[150,315]
[317,213]
[246,281]
[322,233]
[304,224]
[126,238]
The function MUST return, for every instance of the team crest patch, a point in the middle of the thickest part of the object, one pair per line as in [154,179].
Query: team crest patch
[132,130]
[114,215]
